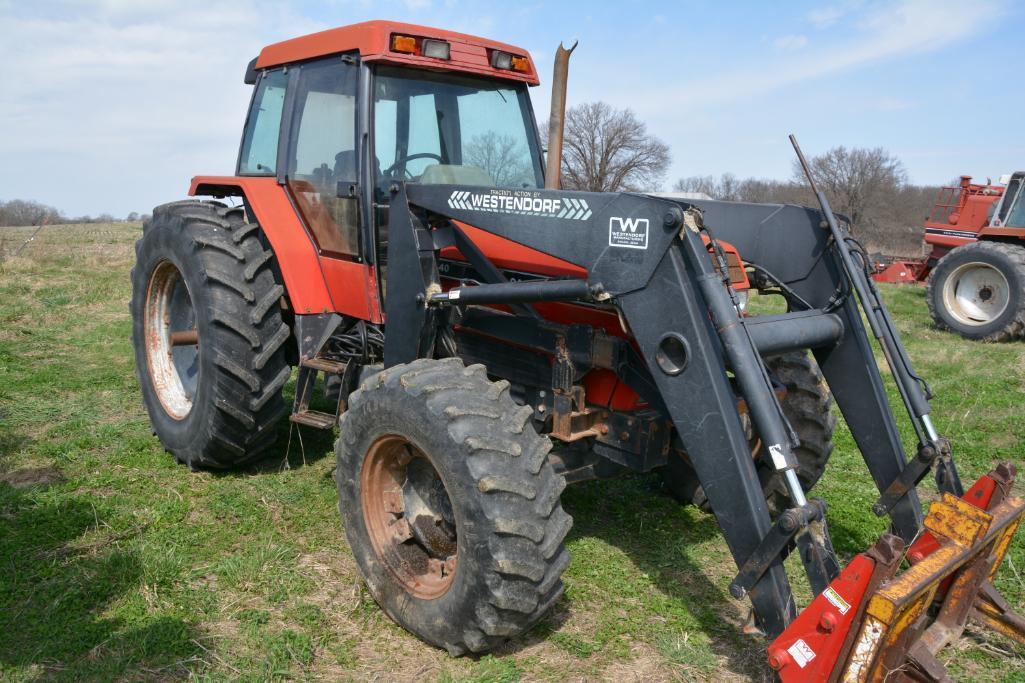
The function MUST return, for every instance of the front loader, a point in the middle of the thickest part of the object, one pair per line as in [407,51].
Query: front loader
[393,236]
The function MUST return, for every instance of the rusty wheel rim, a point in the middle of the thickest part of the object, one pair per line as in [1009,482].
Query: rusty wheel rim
[172,345]
[409,517]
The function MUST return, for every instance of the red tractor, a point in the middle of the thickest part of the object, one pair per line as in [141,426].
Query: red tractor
[976,268]
[393,230]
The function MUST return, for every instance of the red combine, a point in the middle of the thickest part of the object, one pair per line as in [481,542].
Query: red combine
[976,269]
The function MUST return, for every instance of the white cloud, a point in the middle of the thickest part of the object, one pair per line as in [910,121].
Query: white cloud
[792,41]
[830,15]
[120,97]
[881,32]
[824,17]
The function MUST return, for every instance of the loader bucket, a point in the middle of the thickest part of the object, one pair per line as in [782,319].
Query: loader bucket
[873,624]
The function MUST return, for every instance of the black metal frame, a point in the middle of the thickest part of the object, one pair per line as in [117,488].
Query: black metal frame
[696,394]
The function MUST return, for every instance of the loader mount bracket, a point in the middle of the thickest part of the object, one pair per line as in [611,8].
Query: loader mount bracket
[871,623]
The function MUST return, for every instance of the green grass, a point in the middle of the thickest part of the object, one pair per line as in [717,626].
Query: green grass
[117,563]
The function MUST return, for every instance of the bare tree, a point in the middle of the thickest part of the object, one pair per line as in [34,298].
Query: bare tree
[610,150]
[860,181]
[869,186]
[23,212]
[506,160]
[727,187]
[704,184]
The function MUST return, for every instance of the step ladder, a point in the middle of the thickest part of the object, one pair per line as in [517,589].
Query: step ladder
[309,368]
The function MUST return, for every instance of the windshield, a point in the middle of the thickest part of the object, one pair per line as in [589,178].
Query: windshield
[1012,212]
[445,128]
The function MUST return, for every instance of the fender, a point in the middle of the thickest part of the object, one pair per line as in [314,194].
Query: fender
[315,283]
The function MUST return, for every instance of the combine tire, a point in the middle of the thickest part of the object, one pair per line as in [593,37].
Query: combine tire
[978,291]
[450,504]
[808,407]
[208,334]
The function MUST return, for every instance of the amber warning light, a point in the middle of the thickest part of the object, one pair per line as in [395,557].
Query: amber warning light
[403,44]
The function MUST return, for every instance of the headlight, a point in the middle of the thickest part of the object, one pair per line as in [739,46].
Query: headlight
[742,296]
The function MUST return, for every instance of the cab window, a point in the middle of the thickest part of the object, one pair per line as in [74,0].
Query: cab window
[260,141]
[322,153]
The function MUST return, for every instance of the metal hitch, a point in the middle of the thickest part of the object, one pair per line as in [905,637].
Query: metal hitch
[872,624]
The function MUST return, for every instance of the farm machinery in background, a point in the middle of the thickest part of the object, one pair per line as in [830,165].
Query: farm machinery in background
[397,239]
[976,268]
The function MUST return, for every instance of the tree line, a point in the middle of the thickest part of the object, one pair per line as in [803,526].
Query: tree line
[610,150]
[23,212]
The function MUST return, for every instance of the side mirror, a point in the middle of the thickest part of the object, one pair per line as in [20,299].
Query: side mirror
[347,189]
[250,78]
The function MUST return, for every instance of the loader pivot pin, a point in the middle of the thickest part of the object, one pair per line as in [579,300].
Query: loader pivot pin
[787,525]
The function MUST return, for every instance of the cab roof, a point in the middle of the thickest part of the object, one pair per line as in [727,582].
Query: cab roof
[373,40]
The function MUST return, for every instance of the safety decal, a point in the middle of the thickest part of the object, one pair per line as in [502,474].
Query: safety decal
[837,601]
[801,653]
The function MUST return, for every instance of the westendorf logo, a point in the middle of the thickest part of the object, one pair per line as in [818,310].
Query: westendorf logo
[527,203]
[631,233]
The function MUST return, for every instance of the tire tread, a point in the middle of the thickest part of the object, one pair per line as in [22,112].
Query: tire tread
[524,523]
[248,334]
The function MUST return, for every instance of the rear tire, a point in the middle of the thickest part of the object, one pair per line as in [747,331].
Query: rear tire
[200,265]
[450,504]
[978,291]
[807,405]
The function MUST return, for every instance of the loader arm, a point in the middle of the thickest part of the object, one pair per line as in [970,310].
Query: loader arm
[639,253]
[789,242]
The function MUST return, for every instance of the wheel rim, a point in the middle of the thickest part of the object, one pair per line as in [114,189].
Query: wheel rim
[172,344]
[409,518]
[976,294]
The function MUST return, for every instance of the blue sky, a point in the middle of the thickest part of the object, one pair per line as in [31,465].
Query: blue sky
[112,105]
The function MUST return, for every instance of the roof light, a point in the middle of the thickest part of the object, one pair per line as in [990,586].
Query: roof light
[508,62]
[520,64]
[501,60]
[438,49]
[403,44]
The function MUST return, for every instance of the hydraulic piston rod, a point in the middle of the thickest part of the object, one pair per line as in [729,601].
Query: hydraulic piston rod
[908,383]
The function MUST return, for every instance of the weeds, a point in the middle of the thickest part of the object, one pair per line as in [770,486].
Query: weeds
[117,563]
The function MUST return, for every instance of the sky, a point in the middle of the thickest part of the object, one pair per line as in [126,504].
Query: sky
[111,106]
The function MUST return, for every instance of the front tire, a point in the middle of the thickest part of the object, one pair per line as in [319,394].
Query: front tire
[978,291]
[450,504]
[204,275]
[808,407]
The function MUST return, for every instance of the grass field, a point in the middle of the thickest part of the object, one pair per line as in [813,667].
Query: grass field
[117,563]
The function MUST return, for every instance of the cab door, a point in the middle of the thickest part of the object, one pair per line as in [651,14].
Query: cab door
[321,153]
[320,172]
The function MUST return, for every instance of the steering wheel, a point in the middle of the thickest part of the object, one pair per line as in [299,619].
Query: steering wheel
[401,161]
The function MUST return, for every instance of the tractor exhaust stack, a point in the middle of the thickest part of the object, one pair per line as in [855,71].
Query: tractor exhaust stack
[557,119]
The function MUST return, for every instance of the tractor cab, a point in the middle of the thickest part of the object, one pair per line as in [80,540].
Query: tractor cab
[384,104]
[1009,211]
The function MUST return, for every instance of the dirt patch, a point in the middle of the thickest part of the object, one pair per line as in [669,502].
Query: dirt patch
[646,665]
[32,476]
